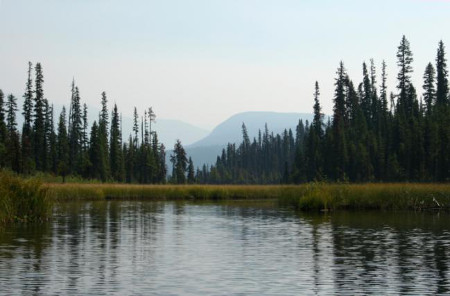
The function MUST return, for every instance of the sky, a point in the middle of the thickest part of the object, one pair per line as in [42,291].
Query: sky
[202,61]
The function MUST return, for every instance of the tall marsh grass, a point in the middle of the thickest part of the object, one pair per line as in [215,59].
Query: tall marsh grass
[313,196]
[405,196]
[22,200]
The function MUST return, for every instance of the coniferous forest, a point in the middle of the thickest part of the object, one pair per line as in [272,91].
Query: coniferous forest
[66,145]
[371,136]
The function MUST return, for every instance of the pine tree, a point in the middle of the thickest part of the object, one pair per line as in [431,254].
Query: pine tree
[12,140]
[51,139]
[11,109]
[47,132]
[75,131]
[151,118]
[97,170]
[404,61]
[135,127]
[62,146]
[27,137]
[442,116]
[314,142]
[191,174]
[116,147]
[429,95]
[39,120]
[3,130]
[441,76]
[103,138]
[179,162]
[340,156]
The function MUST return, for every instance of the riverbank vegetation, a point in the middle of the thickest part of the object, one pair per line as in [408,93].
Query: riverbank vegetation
[312,196]
[23,200]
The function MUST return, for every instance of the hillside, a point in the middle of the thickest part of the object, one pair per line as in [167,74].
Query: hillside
[205,151]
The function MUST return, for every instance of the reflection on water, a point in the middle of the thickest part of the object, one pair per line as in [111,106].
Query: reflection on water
[221,249]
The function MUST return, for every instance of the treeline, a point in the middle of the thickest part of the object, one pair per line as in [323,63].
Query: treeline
[372,136]
[74,148]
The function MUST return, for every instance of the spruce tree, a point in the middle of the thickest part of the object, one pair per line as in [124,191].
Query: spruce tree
[39,120]
[116,147]
[3,130]
[62,146]
[179,162]
[404,61]
[103,137]
[27,137]
[12,139]
[429,95]
[191,173]
[340,156]
[442,115]
[97,171]
[441,76]
[51,140]
[75,131]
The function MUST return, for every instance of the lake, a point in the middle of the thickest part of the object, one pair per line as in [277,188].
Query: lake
[234,248]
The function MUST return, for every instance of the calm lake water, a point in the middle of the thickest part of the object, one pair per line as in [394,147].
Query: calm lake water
[239,248]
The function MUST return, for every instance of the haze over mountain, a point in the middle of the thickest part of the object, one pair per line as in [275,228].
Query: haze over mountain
[169,130]
[206,150]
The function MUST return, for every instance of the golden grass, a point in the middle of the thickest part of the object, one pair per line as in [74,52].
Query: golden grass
[313,196]
[22,200]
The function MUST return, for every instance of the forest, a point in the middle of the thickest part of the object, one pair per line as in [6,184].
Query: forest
[372,136]
[71,149]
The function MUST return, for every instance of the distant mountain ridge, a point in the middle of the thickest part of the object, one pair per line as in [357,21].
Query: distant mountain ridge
[230,131]
[206,150]
[169,130]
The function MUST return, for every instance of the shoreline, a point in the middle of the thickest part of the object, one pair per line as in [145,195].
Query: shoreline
[311,196]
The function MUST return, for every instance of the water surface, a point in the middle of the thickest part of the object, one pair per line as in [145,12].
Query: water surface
[240,248]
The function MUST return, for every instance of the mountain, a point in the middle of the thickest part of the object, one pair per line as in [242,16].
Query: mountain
[206,150]
[169,130]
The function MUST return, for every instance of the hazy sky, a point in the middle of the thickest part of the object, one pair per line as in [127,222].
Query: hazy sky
[202,61]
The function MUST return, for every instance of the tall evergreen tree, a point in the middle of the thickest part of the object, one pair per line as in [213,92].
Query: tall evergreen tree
[103,136]
[442,115]
[27,137]
[429,95]
[12,140]
[3,130]
[404,61]
[191,173]
[340,156]
[441,76]
[179,161]
[97,169]
[116,159]
[62,146]
[39,120]
[75,131]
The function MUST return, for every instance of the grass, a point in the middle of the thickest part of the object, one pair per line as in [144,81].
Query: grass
[313,196]
[22,200]
[403,196]
[62,192]
[29,200]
